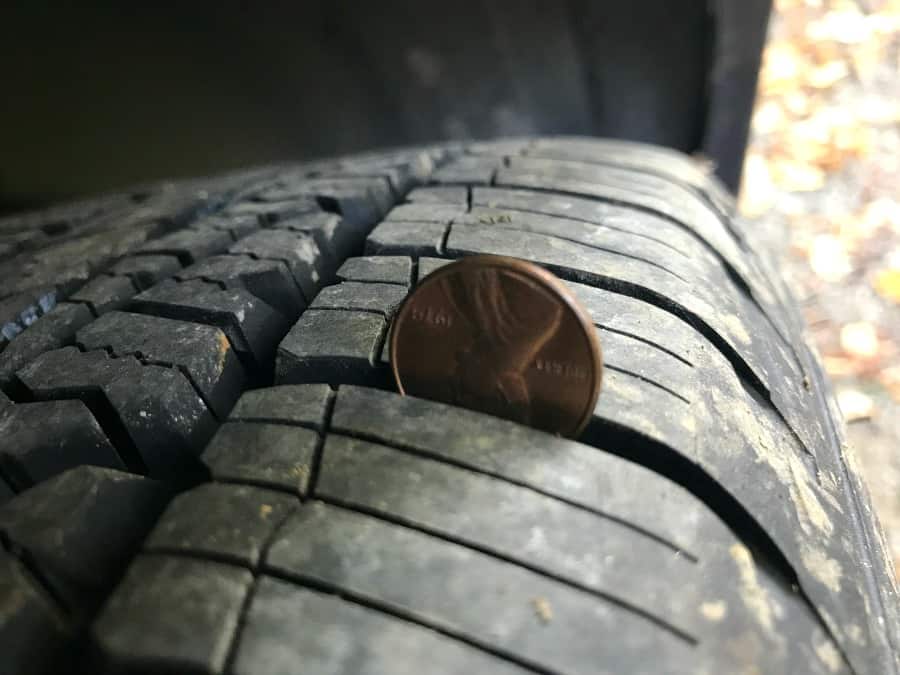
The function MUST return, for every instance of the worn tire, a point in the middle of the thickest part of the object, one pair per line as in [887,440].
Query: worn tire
[205,469]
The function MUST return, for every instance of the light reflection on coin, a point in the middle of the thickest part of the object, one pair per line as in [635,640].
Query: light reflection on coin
[501,336]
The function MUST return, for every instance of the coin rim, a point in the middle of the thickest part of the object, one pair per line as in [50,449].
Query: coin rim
[539,275]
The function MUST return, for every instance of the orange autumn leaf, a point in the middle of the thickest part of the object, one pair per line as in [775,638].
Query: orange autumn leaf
[887,284]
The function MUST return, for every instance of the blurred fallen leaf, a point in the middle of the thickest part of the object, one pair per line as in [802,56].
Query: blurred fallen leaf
[828,258]
[855,405]
[757,190]
[797,103]
[866,57]
[828,74]
[878,110]
[783,67]
[769,118]
[887,284]
[860,339]
[848,26]
[839,366]
[794,176]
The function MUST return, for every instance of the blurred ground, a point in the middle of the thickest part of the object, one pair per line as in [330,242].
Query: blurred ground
[823,173]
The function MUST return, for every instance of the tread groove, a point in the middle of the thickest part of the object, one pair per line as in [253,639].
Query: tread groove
[104,413]
[501,226]
[632,233]
[645,341]
[652,383]
[732,273]
[741,367]
[319,450]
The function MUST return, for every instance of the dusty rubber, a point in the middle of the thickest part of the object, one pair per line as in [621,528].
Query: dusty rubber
[230,343]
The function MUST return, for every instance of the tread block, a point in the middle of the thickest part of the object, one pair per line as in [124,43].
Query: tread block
[202,352]
[361,200]
[190,245]
[375,189]
[289,404]
[628,187]
[583,210]
[256,453]
[630,402]
[229,522]
[33,631]
[516,522]
[579,474]
[297,250]
[171,614]
[55,329]
[429,265]
[640,319]
[105,293]
[336,237]
[661,161]
[81,528]
[160,419]
[275,639]
[237,226]
[252,326]
[653,247]
[269,280]
[377,269]
[565,254]
[370,297]
[439,194]
[468,169]
[271,206]
[41,440]
[646,361]
[425,213]
[404,238]
[146,270]
[401,170]
[480,597]
[332,346]
[77,260]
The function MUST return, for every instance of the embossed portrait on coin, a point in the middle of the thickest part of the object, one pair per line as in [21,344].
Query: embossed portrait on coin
[508,331]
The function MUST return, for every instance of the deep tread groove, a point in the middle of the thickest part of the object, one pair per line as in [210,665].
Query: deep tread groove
[106,416]
[742,369]
[729,269]
[636,448]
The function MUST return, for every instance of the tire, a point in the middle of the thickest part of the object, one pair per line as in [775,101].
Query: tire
[206,469]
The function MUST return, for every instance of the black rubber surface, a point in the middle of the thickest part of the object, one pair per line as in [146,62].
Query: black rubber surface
[709,519]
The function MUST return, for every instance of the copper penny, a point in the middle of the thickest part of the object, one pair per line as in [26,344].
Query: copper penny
[501,336]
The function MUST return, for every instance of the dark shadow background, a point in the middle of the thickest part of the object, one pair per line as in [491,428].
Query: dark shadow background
[105,95]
